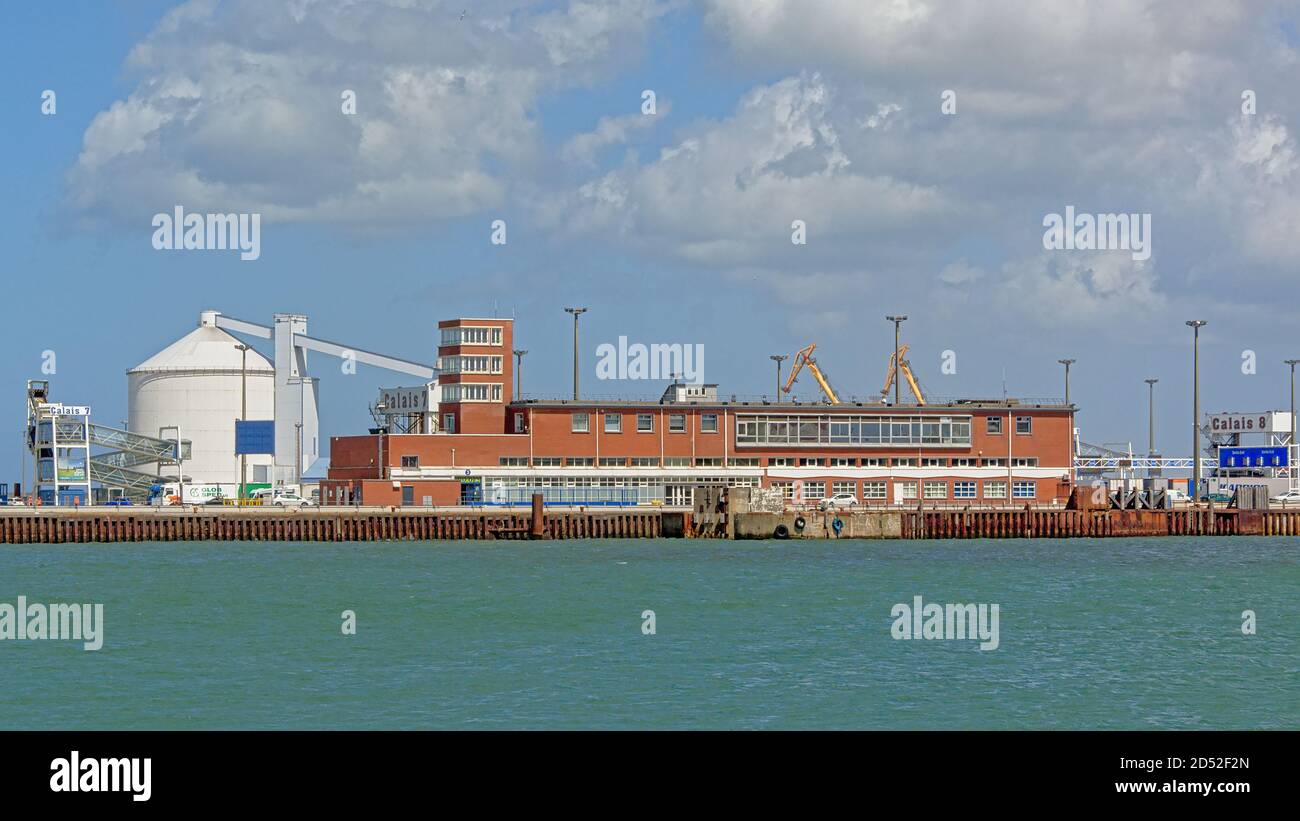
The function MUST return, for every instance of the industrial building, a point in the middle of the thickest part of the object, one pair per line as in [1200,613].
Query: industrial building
[485,446]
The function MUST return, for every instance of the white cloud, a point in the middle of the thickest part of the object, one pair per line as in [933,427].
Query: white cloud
[238,107]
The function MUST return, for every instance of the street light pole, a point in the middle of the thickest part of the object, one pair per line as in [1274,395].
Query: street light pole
[519,373]
[1292,452]
[576,313]
[1067,363]
[243,413]
[1151,416]
[898,387]
[1196,325]
[778,359]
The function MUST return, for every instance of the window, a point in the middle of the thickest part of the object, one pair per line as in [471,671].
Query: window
[904,462]
[410,461]
[810,461]
[645,462]
[709,423]
[963,490]
[677,462]
[744,461]
[1025,462]
[513,461]
[963,463]
[471,392]
[841,462]
[844,487]
[873,490]
[613,461]
[579,461]
[993,425]
[932,463]
[995,463]
[936,490]
[471,336]
[408,495]
[814,430]
[779,462]
[1023,490]
[645,423]
[470,364]
[814,491]
[1024,424]
[676,423]
[613,423]
[580,422]
[873,462]
[906,490]
[786,488]
[546,461]
[708,461]
[519,423]
[449,422]
[995,489]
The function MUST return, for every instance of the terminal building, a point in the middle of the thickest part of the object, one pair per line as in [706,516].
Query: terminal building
[469,440]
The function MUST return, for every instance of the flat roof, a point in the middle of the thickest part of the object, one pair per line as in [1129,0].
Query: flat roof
[765,404]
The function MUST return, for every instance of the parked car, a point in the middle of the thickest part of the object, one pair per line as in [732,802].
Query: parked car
[839,500]
[1292,495]
[292,500]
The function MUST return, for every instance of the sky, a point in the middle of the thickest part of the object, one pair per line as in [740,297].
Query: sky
[920,145]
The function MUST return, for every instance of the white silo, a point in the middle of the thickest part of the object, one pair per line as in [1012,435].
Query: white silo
[195,384]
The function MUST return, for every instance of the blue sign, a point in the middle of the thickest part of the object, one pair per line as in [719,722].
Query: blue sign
[1253,457]
[254,437]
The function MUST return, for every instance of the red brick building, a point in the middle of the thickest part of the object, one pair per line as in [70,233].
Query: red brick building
[493,447]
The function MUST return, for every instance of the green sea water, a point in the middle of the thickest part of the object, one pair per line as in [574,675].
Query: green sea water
[1112,633]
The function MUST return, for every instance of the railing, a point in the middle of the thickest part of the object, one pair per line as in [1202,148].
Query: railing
[872,400]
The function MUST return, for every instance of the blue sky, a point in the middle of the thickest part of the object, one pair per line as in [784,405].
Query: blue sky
[672,228]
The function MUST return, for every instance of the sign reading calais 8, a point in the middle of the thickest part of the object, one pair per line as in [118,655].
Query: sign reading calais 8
[1238,423]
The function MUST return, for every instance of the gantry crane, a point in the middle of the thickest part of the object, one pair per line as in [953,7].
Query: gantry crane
[805,357]
[906,370]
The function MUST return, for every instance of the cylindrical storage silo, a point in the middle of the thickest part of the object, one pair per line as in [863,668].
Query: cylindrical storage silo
[195,383]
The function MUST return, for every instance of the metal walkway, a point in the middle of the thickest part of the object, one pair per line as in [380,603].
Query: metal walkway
[126,450]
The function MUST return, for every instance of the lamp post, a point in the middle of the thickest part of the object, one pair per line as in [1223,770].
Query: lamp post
[898,392]
[1067,363]
[1196,325]
[1151,416]
[519,373]
[1292,452]
[243,412]
[576,313]
[778,359]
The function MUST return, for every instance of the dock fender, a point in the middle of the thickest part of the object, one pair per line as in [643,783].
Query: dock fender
[781,532]
[799,523]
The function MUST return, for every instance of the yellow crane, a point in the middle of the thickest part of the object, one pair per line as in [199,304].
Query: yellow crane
[906,370]
[805,357]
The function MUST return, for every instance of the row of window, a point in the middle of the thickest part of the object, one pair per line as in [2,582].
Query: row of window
[742,462]
[615,481]
[471,392]
[807,429]
[471,335]
[470,364]
[645,422]
[908,489]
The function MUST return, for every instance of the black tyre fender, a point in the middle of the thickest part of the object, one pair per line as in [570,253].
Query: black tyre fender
[799,523]
[781,532]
